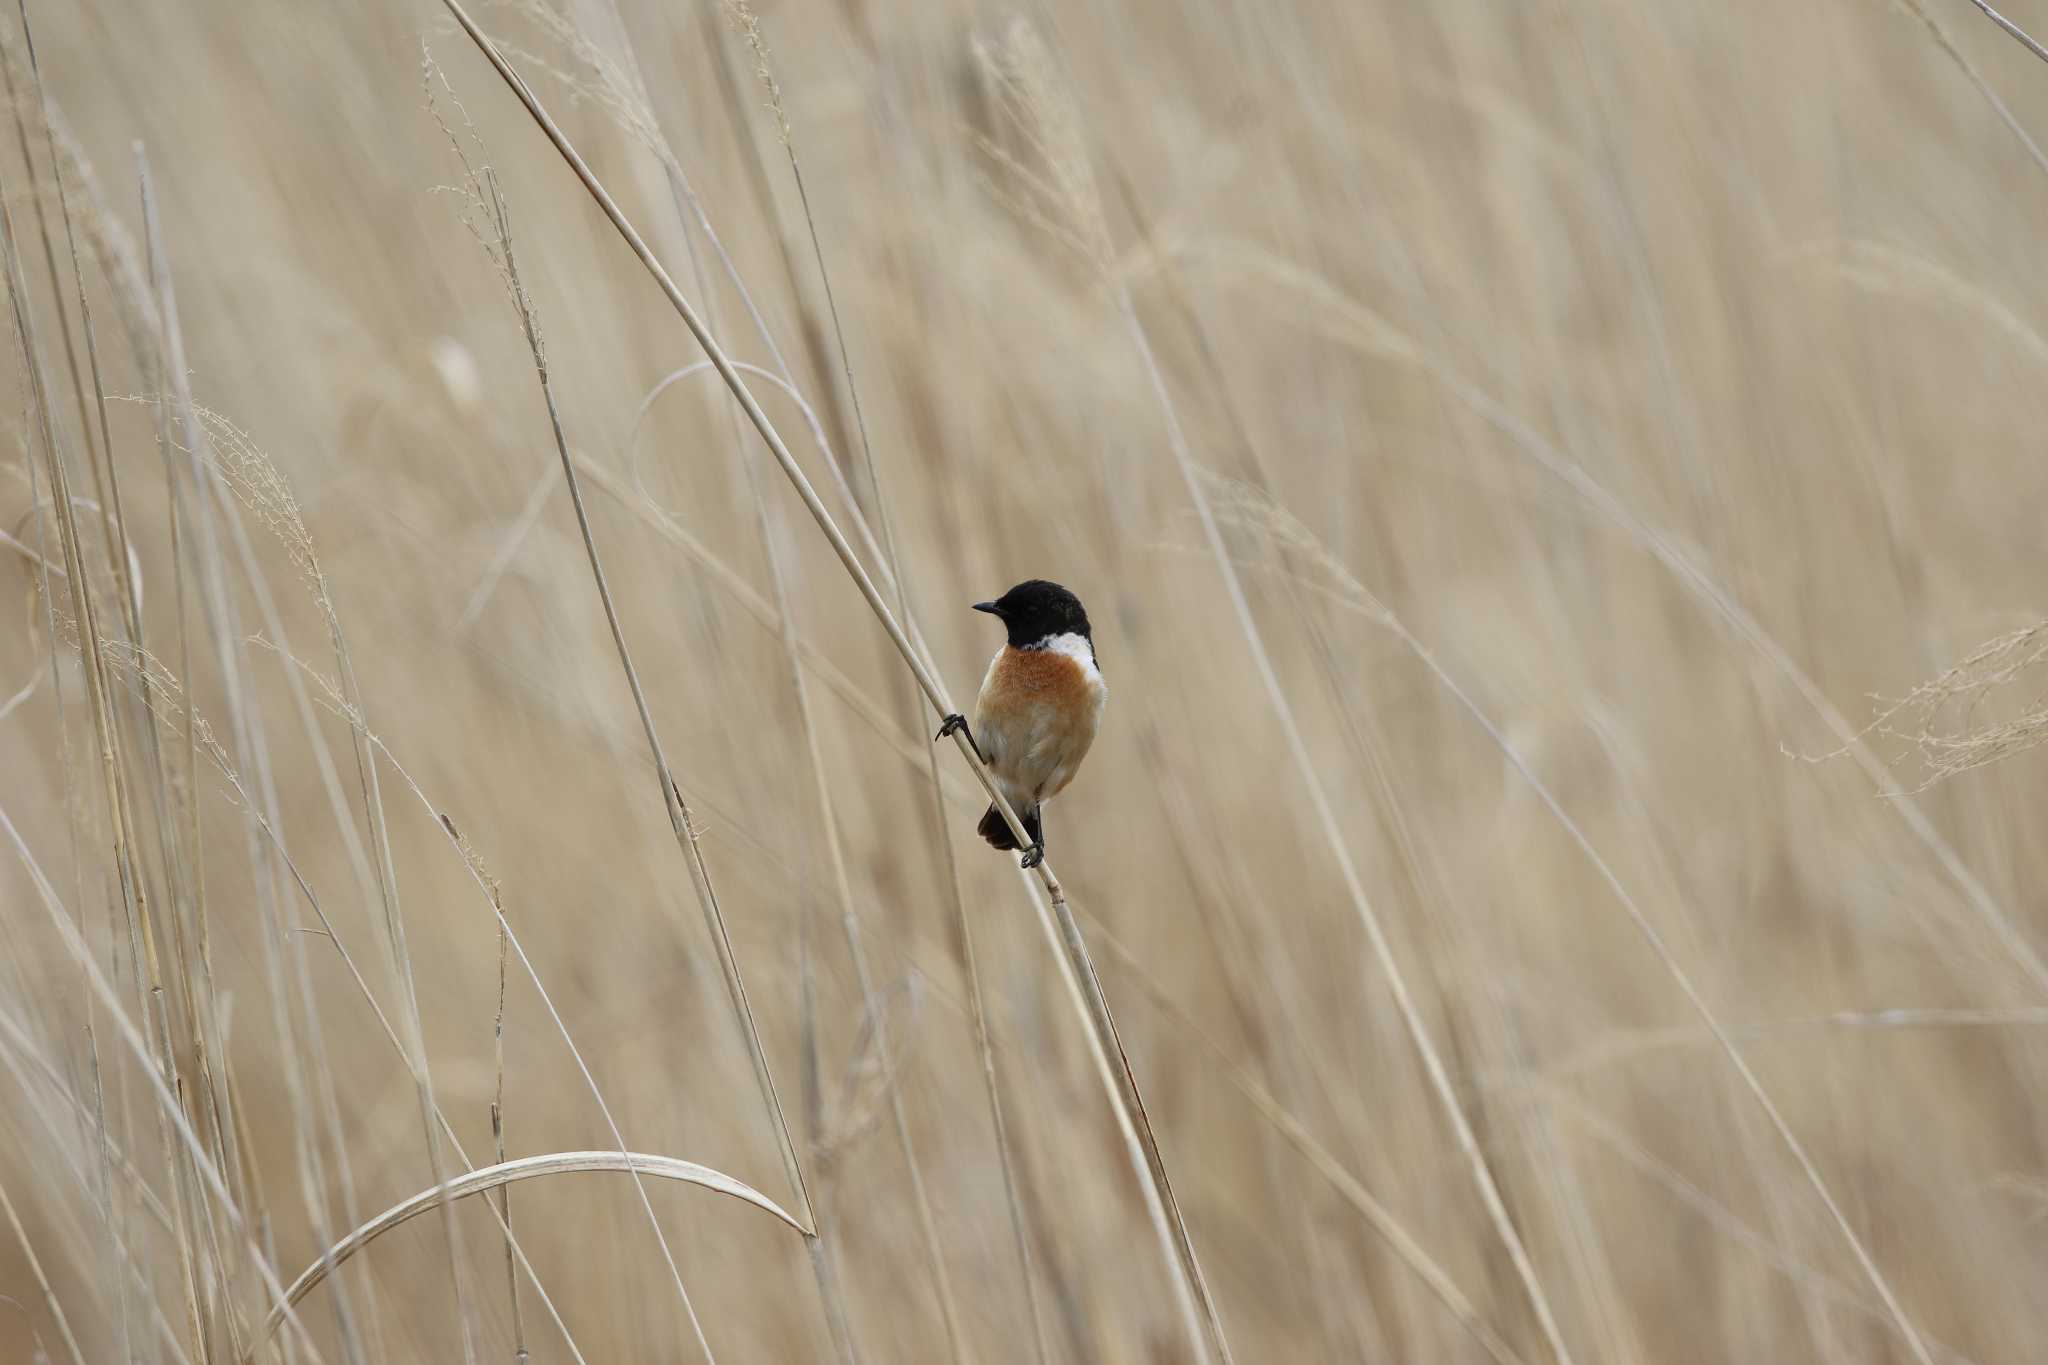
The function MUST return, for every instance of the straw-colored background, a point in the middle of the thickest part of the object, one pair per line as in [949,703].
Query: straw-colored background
[1666,371]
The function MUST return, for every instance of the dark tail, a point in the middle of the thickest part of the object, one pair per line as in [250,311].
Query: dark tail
[996,830]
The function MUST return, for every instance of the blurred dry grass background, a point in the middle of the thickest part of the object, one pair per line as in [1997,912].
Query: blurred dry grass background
[1658,372]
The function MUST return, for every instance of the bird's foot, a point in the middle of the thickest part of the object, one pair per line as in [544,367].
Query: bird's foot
[1033,856]
[957,724]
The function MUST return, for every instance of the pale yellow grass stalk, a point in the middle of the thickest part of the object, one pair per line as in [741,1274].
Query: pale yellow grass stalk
[142,914]
[166,1104]
[1947,44]
[35,1268]
[199,490]
[2018,34]
[185,895]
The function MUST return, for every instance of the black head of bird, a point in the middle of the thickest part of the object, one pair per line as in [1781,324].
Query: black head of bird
[1035,611]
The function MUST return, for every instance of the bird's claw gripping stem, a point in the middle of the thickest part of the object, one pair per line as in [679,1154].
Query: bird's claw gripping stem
[956,724]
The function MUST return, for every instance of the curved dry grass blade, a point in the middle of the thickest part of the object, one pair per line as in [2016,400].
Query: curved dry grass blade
[506,1173]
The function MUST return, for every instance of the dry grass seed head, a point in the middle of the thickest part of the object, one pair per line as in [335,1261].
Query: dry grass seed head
[253,477]
[615,90]
[154,682]
[108,242]
[1048,158]
[1949,720]
[1264,530]
[481,201]
[743,19]
[862,1094]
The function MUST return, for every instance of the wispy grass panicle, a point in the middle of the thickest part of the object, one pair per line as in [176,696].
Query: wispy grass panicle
[593,75]
[1989,706]
[480,203]
[1039,142]
[748,24]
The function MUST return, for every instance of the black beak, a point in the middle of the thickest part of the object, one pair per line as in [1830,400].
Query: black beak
[991,608]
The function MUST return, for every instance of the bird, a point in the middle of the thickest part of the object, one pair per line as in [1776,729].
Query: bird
[1040,705]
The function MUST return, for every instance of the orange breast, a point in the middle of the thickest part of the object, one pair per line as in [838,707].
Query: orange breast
[1036,677]
[1035,720]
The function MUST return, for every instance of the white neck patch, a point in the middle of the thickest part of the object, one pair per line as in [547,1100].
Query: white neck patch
[1076,647]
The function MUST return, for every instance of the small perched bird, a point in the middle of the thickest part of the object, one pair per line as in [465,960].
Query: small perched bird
[1038,709]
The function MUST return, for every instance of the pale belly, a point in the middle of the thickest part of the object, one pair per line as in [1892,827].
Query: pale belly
[1035,730]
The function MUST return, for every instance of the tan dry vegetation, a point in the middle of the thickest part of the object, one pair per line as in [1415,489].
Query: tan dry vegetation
[1597,405]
